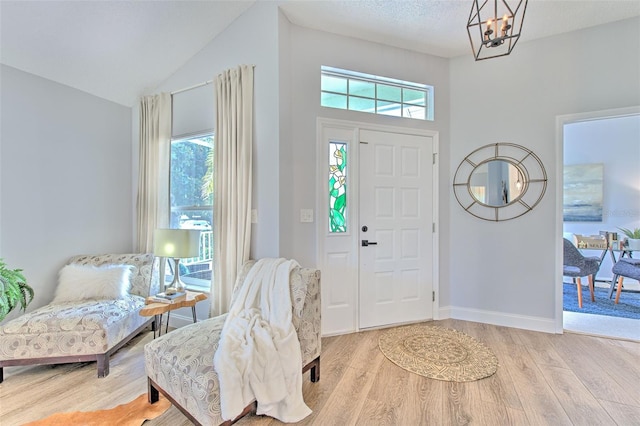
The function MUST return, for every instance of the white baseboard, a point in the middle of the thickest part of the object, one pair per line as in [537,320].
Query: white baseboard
[545,325]
[444,313]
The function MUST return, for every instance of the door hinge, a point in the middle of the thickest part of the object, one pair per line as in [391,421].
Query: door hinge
[433,227]
[433,296]
[434,157]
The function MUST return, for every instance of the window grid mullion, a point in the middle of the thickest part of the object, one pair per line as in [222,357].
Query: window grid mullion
[376,81]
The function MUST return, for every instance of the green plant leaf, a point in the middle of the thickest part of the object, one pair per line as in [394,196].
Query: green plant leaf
[633,234]
[14,290]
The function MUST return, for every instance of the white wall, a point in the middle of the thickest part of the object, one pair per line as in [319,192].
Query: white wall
[310,49]
[286,159]
[65,177]
[250,39]
[615,143]
[505,272]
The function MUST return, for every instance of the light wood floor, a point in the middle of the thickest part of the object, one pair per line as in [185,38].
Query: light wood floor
[543,379]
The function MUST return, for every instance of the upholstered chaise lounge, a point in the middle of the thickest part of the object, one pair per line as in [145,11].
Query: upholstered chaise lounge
[83,330]
[180,363]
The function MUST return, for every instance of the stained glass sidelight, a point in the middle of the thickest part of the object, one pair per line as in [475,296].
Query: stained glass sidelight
[337,187]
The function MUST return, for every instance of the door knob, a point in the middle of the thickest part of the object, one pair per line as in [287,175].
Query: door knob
[366,243]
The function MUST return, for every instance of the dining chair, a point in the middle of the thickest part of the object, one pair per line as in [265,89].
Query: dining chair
[575,265]
[624,267]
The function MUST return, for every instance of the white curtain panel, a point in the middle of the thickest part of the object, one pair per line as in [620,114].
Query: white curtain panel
[153,174]
[232,183]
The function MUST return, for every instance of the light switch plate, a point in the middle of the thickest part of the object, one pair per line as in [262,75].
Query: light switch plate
[306,215]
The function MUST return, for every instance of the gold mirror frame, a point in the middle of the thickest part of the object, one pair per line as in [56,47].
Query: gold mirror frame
[529,166]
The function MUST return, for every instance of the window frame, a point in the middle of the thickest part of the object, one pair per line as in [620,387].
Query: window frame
[403,103]
[196,284]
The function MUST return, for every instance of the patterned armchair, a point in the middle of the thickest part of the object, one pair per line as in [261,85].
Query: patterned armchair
[88,330]
[180,363]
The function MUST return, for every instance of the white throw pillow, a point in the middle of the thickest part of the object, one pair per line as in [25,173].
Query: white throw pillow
[81,282]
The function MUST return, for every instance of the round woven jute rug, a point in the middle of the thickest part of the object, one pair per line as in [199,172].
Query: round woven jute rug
[438,353]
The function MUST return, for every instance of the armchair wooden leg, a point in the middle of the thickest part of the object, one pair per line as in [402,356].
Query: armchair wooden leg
[315,371]
[579,284]
[619,290]
[153,395]
[593,297]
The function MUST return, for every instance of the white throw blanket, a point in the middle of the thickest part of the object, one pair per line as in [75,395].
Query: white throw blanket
[259,353]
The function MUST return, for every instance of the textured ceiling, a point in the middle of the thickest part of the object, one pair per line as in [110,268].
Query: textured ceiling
[119,49]
[438,27]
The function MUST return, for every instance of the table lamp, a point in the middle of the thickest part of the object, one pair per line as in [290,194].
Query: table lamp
[176,244]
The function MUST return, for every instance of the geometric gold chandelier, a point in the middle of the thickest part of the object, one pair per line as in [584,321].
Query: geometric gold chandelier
[494,27]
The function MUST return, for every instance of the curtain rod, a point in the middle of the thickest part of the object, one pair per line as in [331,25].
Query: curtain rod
[195,86]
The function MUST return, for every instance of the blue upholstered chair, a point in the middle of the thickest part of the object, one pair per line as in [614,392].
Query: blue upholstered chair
[624,267]
[575,265]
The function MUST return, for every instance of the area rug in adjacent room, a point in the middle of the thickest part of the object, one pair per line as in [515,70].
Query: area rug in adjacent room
[438,353]
[627,307]
[132,413]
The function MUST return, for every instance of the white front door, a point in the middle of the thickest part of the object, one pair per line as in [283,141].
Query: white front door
[395,228]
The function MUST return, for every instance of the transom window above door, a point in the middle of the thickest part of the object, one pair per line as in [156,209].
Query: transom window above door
[374,94]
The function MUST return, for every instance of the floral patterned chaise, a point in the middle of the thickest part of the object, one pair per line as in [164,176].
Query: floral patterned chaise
[180,363]
[86,330]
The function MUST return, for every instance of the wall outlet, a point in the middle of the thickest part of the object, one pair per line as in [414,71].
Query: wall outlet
[254,216]
[306,215]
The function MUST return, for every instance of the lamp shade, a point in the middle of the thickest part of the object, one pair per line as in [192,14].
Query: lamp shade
[176,243]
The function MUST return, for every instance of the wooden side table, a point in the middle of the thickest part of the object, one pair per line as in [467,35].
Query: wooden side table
[157,309]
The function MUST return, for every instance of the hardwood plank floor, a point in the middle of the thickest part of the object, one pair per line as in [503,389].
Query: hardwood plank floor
[543,379]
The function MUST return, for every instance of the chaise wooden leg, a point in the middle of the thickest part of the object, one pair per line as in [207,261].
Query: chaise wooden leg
[1,375]
[153,395]
[593,297]
[579,284]
[103,365]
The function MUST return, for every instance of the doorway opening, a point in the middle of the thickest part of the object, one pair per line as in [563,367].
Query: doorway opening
[599,192]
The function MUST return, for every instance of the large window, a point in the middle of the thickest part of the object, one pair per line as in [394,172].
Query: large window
[191,188]
[374,94]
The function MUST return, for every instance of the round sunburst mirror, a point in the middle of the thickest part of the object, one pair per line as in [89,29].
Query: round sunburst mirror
[500,181]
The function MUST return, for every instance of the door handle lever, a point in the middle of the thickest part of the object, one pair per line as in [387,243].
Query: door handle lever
[366,243]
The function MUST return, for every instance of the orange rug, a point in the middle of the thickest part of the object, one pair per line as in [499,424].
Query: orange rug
[132,413]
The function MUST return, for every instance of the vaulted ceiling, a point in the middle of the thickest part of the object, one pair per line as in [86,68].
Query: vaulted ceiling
[118,49]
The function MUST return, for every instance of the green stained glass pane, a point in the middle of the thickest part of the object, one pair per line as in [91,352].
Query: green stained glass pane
[333,101]
[337,187]
[362,104]
[364,89]
[333,84]
[390,108]
[389,93]
[414,97]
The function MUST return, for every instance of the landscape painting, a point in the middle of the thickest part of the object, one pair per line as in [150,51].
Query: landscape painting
[583,193]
